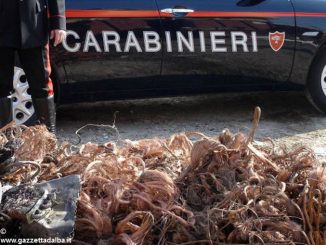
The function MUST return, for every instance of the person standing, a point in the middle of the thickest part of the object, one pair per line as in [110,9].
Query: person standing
[26,27]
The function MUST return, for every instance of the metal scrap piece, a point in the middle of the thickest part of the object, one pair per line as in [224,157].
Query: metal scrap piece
[44,210]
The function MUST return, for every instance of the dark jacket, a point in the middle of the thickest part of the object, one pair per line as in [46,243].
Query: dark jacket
[27,23]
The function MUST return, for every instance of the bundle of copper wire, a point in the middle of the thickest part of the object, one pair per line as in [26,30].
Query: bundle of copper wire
[187,189]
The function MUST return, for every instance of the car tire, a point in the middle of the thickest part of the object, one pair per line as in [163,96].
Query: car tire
[316,85]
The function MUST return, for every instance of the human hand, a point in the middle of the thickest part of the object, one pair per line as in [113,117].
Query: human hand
[58,35]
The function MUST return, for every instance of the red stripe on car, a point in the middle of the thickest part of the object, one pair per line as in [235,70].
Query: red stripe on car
[111,13]
[197,14]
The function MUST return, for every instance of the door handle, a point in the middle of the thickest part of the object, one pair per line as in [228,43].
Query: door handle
[249,3]
[177,12]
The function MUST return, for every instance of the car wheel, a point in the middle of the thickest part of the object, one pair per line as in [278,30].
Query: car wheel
[316,86]
[23,110]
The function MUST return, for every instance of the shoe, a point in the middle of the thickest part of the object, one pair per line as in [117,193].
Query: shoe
[5,111]
[45,112]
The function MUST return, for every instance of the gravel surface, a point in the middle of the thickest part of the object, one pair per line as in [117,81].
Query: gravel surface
[287,117]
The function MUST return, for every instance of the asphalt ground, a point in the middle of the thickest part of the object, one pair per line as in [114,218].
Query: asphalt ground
[287,117]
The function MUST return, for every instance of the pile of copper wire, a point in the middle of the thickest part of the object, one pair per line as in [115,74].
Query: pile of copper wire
[188,189]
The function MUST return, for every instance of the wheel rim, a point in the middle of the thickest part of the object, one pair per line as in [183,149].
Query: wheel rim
[323,80]
[23,108]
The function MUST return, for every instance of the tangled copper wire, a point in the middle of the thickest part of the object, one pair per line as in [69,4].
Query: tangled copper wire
[188,189]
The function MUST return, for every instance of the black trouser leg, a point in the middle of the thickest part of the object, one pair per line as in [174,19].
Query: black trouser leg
[7,61]
[5,111]
[36,64]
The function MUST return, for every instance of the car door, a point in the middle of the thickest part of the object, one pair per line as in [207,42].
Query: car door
[105,50]
[223,42]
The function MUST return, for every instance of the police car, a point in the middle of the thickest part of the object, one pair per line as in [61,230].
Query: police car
[126,48]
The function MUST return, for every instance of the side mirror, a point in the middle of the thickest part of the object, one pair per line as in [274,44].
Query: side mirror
[249,3]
